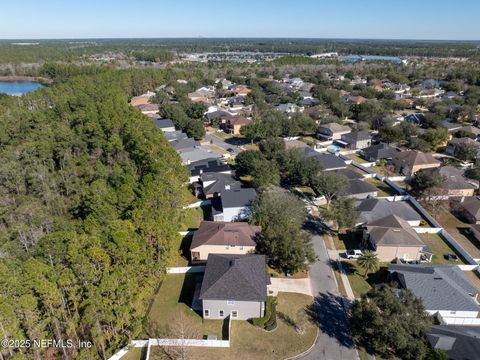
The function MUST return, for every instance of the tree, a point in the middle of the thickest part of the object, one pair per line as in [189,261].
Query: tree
[473,173]
[389,133]
[368,261]
[391,323]
[425,180]
[343,212]
[436,137]
[329,185]
[287,246]
[466,152]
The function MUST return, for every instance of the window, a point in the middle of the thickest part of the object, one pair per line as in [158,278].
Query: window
[230,302]
[453,312]
[234,314]
[227,247]
[221,313]
[241,247]
[206,313]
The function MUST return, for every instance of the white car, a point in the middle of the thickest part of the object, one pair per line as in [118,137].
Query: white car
[353,254]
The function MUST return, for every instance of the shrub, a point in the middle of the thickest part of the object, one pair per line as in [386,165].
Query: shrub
[270,318]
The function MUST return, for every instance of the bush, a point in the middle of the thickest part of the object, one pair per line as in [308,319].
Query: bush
[269,320]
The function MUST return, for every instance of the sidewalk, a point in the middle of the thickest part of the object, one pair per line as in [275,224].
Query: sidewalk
[335,256]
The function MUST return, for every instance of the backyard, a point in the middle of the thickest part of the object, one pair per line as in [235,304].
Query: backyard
[247,341]
[440,248]
[383,188]
[356,158]
[459,230]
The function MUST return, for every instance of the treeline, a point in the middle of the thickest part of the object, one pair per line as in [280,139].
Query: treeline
[90,199]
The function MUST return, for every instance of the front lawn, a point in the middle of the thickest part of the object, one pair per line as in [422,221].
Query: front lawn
[347,240]
[359,284]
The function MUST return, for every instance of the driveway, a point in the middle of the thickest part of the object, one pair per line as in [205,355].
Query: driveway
[301,286]
[334,341]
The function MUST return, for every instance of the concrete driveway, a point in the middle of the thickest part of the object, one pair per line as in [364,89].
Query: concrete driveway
[301,286]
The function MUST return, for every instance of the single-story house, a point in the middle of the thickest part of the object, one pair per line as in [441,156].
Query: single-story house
[328,162]
[459,342]
[235,286]
[350,174]
[357,140]
[166,125]
[216,237]
[210,165]
[378,152]
[359,189]
[369,210]
[332,131]
[175,135]
[454,182]
[233,204]
[453,145]
[393,238]
[469,208]
[198,153]
[148,109]
[443,289]
[410,161]
[182,145]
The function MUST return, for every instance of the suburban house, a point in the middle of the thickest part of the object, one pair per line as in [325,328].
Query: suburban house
[148,109]
[393,238]
[378,152]
[328,162]
[459,342]
[166,125]
[175,135]
[469,208]
[357,140]
[443,289]
[454,182]
[235,286]
[242,90]
[357,100]
[410,161]
[215,237]
[184,144]
[211,185]
[289,108]
[197,153]
[350,174]
[210,165]
[233,204]
[233,124]
[359,189]
[332,131]
[370,210]
[454,144]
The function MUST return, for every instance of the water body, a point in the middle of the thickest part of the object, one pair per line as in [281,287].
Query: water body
[355,58]
[19,87]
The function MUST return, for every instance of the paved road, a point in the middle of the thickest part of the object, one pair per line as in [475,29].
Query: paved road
[220,143]
[334,341]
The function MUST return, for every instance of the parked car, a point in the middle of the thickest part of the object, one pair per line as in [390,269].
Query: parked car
[353,254]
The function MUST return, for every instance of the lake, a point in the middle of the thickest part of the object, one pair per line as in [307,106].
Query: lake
[19,87]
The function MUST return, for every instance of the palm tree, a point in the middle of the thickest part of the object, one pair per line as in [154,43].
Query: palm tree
[368,261]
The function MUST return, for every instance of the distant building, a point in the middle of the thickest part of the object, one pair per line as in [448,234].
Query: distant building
[357,140]
[165,124]
[409,162]
[332,131]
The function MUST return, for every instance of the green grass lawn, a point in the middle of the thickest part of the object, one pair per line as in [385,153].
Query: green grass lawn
[383,188]
[347,240]
[172,302]
[190,218]
[307,190]
[247,341]
[440,248]
[356,158]
[181,255]
[359,284]
[135,354]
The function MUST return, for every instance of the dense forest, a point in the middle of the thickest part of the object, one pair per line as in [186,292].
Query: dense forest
[90,195]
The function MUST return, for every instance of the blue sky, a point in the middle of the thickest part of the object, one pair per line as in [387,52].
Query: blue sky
[384,19]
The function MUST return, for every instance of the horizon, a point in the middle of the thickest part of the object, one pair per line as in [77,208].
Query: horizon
[373,19]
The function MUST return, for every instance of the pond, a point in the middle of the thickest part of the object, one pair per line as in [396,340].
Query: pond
[19,87]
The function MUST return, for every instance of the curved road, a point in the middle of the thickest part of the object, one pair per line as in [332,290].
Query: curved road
[334,341]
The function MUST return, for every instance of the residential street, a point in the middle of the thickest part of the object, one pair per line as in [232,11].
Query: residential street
[220,143]
[334,341]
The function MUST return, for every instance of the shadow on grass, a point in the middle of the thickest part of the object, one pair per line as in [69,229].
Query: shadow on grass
[185,247]
[188,289]
[328,314]
[465,231]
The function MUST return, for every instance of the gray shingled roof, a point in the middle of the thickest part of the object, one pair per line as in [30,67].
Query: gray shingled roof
[208,166]
[220,182]
[393,231]
[373,209]
[439,287]
[164,123]
[453,179]
[327,161]
[349,174]
[356,136]
[238,197]
[235,277]
[379,151]
[460,342]
[225,233]
[471,204]
[357,187]
[184,144]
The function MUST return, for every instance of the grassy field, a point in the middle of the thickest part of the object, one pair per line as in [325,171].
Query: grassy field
[135,354]
[383,188]
[190,218]
[440,248]
[248,342]
[356,158]
[181,257]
